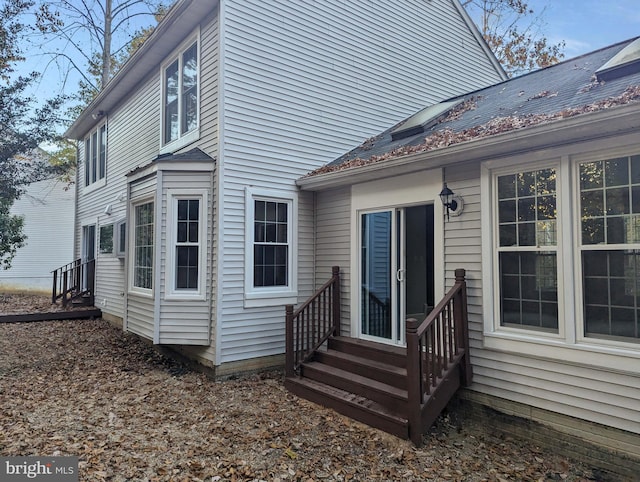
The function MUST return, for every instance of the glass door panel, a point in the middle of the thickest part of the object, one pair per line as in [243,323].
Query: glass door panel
[377,274]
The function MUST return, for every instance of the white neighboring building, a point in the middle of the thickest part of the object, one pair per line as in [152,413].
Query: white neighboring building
[48,211]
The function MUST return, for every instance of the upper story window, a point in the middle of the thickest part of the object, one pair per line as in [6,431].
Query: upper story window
[180,77]
[95,155]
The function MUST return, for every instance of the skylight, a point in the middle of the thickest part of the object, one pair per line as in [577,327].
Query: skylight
[422,120]
[625,62]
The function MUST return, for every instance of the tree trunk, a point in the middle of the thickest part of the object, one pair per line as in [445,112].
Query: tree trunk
[106,50]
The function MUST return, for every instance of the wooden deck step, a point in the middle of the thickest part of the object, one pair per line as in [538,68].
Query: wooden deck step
[383,372]
[389,396]
[389,354]
[354,406]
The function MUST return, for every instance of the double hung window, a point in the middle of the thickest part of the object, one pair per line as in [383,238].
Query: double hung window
[186,251]
[567,267]
[610,247]
[527,249]
[270,234]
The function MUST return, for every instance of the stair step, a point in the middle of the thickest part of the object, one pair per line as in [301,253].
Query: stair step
[349,404]
[383,372]
[392,355]
[394,398]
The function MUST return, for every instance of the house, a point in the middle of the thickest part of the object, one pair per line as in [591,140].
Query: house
[188,159]
[47,208]
[541,177]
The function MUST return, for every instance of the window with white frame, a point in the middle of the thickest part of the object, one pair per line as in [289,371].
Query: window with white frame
[95,155]
[143,244]
[187,253]
[610,247]
[270,252]
[120,238]
[599,301]
[181,94]
[527,245]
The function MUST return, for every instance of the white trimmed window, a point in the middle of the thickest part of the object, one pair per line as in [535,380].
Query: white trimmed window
[187,252]
[527,245]
[564,252]
[610,247]
[95,156]
[270,251]
[180,96]
[143,246]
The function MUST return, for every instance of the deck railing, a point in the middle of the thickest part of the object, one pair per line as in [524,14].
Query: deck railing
[73,280]
[436,348]
[308,327]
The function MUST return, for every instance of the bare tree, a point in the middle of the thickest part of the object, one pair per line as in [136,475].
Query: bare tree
[514,31]
[95,34]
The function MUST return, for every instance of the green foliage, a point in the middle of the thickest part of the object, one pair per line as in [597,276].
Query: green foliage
[22,129]
[513,31]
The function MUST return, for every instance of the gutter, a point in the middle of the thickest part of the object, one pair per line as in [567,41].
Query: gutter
[584,127]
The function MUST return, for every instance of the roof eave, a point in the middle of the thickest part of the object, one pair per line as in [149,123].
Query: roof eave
[591,126]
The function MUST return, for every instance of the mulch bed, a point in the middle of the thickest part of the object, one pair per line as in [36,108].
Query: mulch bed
[86,389]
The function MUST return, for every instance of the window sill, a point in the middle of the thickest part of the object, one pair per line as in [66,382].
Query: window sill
[144,293]
[181,142]
[186,296]
[593,356]
[94,186]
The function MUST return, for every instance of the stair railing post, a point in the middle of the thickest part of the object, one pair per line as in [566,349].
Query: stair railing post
[55,287]
[414,382]
[91,281]
[462,326]
[335,273]
[289,354]
[65,278]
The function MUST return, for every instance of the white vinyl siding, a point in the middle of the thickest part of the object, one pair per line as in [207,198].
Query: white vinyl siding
[48,210]
[298,83]
[333,245]
[184,317]
[585,377]
[134,137]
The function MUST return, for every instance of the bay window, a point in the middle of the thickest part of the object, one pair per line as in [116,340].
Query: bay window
[143,244]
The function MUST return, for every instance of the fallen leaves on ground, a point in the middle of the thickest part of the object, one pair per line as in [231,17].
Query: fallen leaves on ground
[16,302]
[85,388]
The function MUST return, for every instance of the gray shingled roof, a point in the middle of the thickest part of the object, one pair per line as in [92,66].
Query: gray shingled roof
[568,85]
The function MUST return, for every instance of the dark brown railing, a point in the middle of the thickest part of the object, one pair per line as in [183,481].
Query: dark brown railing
[436,347]
[73,280]
[313,323]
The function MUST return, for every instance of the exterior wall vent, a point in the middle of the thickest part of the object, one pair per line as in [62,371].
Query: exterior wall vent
[625,62]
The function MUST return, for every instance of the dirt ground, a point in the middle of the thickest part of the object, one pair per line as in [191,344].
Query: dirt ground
[85,388]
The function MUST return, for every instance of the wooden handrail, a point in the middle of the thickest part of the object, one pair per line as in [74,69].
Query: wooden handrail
[435,347]
[312,323]
[73,280]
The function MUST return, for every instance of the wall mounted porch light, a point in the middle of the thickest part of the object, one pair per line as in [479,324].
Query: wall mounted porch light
[451,201]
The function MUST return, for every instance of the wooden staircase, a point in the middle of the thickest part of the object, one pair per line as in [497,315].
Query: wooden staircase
[395,389]
[363,380]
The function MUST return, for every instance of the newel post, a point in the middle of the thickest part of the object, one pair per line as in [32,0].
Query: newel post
[414,382]
[289,355]
[55,287]
[462,325]
[335,274]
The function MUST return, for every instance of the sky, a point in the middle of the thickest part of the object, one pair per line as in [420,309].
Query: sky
[588,25]
[584,26]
